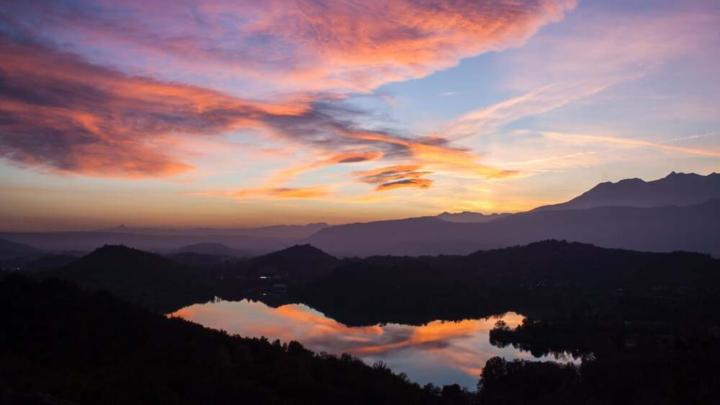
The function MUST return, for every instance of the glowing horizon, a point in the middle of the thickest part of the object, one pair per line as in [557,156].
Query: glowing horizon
[223,114]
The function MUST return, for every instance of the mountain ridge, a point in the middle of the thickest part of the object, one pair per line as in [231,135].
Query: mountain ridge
[674,189]
[692,228]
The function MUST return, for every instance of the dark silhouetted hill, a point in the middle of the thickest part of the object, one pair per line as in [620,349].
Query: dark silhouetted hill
[296,263]
[136,276]
[209,248]
[61,343]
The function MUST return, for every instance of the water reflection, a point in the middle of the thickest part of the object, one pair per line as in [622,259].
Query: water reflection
[440,352]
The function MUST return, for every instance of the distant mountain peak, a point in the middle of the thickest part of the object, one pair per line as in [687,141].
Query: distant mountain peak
[296,255]
[296,262]
[304,250]
[114,249]
[469,217]
[679,189]
[212,248]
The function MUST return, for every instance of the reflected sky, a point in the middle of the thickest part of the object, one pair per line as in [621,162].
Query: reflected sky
[440,352]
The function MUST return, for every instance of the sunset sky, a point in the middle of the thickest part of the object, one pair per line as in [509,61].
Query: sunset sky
[240,113]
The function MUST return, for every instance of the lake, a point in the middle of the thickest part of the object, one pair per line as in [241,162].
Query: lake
[439,352]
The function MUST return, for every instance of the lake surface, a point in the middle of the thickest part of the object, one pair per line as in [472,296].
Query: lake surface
[440,352]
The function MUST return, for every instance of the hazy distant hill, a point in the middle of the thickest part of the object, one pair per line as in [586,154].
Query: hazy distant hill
[274,231]
[11,250]
[210,248]
[678,212]
[691,228]
[675,189]
[467,216]
[154,241]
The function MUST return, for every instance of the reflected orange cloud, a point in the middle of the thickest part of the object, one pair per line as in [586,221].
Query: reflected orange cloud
[293,322]
[462,345]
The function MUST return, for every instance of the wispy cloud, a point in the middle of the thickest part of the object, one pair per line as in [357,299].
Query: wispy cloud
[624,142]
[272,193]
[554,71]
[417,183]
[490,119]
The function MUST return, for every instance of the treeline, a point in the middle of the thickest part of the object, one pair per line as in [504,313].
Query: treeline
[544,280]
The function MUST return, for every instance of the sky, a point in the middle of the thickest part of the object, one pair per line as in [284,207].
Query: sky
[225,113]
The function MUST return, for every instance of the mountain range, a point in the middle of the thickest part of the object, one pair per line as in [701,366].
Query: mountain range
[676,189]
[678,212]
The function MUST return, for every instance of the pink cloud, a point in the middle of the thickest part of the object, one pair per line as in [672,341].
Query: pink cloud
[303,45]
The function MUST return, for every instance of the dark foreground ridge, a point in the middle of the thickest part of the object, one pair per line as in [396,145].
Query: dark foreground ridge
[58,343]
[645,325]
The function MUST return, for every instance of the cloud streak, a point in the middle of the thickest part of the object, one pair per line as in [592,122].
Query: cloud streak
[398,176]
[417,183]
[585,139]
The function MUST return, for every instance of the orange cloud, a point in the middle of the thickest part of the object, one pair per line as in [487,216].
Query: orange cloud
[417,183]
[390,173]
[398,176]
[285,175]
